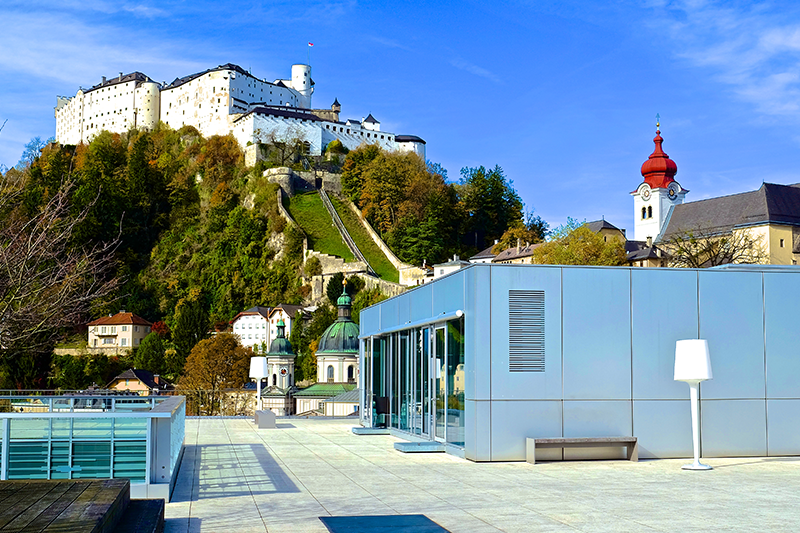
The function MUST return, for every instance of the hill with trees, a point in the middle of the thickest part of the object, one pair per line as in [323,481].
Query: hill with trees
[155,222]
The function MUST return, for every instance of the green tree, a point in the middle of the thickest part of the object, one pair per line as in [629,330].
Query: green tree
[365,299]
[581,246]
[150,354]
[191,326]
[335,286]
[305,337]
[490,203]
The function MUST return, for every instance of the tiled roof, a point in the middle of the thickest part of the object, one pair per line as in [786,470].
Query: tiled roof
[598,225]
[371,119]
[484,254]
[120,318]
[328,390]
[257,310]
[227,66]
[290,309]
[512,253]
[145,376]
[347,397]
[771,203]
[133,76]
[281,111]
[408,139]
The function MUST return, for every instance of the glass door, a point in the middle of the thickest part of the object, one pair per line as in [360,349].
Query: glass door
[439,381]
[420,369]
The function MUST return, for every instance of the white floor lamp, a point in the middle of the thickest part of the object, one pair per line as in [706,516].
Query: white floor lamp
[258,371]
[693,365]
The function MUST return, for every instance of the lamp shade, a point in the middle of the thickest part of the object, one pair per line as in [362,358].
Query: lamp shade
[692,360]
[258,367]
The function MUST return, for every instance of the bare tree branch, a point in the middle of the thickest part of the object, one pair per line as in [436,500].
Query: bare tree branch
[701,248]
[46,282]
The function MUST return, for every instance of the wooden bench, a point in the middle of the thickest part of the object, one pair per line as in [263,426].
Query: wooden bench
[631,445]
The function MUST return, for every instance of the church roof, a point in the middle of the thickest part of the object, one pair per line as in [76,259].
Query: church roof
[370,119]
[770,204]
[598,225]
[325,390]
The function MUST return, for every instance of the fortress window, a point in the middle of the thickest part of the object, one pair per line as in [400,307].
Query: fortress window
[781,243]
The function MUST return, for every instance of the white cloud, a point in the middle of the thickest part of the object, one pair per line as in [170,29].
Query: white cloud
[754,48]
[464,65]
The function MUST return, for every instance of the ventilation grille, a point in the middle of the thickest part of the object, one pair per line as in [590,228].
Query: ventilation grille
[526,331]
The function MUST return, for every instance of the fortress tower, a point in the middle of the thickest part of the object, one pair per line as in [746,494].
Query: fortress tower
[302,83]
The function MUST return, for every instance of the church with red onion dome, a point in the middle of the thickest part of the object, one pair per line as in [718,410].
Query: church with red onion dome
[655,198]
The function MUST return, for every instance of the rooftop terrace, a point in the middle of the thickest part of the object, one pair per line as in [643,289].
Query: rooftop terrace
[310,475]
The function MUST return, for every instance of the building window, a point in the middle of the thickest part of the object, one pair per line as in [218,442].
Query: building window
[781,243]
[649,211]
[124,342]
[644,213]
[108,341]
[136,329]
[274,379]
[350,374]
[330,373]
[124,328]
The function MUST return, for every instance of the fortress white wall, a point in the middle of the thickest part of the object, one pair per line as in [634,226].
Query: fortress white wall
[218,102]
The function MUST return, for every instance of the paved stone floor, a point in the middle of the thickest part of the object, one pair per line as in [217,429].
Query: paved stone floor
[309,473]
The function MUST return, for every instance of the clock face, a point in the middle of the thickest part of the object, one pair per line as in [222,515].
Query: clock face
[645,193]
[673,190]
[284,371]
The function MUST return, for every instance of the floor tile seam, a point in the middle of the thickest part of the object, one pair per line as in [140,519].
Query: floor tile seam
[289,468]
[250,490]
[195,476]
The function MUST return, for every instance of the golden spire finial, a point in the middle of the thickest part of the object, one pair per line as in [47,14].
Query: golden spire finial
[658,123]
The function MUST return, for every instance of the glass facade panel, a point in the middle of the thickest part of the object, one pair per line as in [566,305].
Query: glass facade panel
[30,428]
[91,459]
[403,377]
[380,405]
[91,428]
[130,460]
[394,380]
[367,375]
[27,460]
[59,460]
[130,428]
[62,428]
[455,382]
[440,384]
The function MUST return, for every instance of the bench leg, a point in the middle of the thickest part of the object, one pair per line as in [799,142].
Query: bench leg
[633,451]
[530,451]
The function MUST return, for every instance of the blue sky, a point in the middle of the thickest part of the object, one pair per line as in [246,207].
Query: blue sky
[562,95]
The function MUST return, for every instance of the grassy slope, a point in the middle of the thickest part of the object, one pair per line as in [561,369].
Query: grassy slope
[376,258]
[308,211]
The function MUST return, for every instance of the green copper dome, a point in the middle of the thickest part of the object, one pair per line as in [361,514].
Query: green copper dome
[342,336]
[281,345]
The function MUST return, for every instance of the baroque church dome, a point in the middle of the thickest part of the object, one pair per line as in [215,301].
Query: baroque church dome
[341,337]
[659,170]
[281,345]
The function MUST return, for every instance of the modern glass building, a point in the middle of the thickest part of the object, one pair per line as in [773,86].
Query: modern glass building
[94,437]
[489,355]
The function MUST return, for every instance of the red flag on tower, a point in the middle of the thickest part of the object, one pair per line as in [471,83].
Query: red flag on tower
[310,44]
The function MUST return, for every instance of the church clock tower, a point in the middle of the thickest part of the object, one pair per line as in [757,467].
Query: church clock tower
[657,195]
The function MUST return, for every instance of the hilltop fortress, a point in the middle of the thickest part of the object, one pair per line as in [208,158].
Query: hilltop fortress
[218,101]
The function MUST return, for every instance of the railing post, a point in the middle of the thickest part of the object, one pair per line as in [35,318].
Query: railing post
[4,464]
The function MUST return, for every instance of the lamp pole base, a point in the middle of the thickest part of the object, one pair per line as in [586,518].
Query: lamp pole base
[696,466]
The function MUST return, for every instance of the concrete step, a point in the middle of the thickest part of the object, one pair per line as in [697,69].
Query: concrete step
[419,447]
[371,431]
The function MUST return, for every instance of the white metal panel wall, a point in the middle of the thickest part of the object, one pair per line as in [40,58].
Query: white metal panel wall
[597,336]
